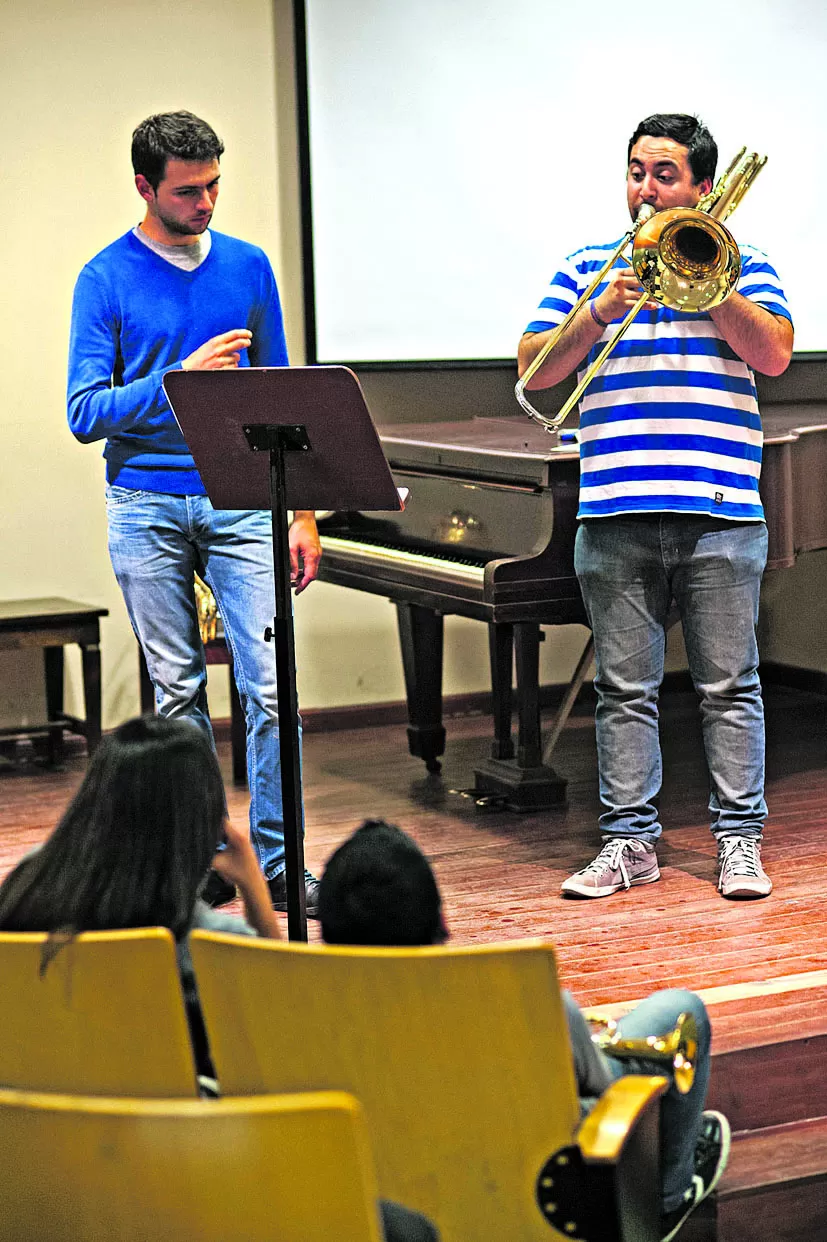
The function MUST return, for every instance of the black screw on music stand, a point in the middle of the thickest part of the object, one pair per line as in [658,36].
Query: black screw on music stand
[282,438]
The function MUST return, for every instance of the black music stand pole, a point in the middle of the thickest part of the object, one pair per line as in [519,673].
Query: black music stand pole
[277,438]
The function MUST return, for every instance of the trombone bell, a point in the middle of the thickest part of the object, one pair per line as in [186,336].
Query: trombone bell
[686,260]
[678,1049]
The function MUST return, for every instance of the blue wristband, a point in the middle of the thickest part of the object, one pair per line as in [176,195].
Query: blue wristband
[602,323]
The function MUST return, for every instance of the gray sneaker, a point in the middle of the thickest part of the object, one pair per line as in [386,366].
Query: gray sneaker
[740,870]
[623,862]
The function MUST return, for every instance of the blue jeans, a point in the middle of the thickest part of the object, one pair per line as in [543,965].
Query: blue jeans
[680,1114]
[630,570]
[156,543]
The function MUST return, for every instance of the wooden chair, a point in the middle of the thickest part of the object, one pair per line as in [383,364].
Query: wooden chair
[462,1061]
[271,1168]
[103,1016]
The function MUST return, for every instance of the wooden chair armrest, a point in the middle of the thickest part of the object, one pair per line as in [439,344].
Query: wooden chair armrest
[603,1134]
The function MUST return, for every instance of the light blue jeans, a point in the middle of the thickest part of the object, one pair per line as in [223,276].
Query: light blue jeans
[630,570]
[680,1114]
[156,543]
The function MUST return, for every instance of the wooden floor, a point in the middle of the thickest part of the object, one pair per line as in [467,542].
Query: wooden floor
[761,965]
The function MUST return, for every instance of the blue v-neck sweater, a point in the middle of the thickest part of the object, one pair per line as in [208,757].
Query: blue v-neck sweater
[134,317]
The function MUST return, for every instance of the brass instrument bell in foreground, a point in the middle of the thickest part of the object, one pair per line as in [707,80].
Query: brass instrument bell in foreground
[679,1048]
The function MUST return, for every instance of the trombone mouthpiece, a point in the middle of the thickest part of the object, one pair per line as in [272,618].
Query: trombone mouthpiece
[645,212]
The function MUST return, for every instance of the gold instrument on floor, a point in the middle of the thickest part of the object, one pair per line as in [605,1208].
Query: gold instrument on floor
[683,257]
[679,1048]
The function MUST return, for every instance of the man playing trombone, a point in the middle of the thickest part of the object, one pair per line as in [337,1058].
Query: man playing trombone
[670,448]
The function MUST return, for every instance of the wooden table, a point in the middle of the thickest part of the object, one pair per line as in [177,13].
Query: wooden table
[50,624]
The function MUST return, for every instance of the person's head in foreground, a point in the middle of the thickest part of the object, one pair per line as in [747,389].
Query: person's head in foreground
[135,842]
[378,889]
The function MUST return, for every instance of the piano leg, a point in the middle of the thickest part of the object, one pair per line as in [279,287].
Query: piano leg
[527,784]
[501,653]
[528,695]
[420,635]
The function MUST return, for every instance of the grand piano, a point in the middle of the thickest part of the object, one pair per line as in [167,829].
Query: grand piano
[488,533]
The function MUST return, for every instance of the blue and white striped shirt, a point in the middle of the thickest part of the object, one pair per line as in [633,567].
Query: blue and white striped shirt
[670,423]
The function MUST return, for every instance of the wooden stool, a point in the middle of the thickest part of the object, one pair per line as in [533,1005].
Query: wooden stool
[216,652]
[51,624]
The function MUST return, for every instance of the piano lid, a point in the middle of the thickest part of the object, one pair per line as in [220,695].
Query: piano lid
[508,450]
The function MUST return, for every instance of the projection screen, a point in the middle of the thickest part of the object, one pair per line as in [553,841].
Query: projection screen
[455,150]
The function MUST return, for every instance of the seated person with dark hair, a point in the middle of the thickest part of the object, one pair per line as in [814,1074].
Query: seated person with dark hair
[134,848]
[378,889]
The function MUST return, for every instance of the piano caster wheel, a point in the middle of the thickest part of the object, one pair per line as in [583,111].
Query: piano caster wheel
[433,765]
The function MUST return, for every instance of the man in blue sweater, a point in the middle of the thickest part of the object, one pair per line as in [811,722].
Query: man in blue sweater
[172,294]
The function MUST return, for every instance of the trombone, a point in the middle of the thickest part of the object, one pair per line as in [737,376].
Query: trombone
[683,257]
[678,1048]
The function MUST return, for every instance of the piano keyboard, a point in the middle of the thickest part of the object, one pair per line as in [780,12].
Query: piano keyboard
[374,557]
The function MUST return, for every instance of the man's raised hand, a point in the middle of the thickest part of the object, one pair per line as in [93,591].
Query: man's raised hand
[220,353]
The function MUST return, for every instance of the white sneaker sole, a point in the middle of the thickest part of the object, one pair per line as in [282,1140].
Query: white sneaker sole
[747,889]
[573,888]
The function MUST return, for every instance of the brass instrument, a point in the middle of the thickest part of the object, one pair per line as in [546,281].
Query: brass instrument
[207,610]
[683,257]
[679,1047]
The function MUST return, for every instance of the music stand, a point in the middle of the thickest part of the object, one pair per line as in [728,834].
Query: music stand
[282,438]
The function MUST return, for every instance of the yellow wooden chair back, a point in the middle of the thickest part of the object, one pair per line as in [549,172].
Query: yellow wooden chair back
[460,1056]
[265,1169]
[103,1015]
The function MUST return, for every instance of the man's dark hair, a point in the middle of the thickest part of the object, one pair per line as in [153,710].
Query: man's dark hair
[172,135]
[378,889]
[689,132]
[135,843]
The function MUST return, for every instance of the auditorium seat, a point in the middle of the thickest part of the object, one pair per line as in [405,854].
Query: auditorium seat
[271,1168]
[461,1059]
[99,1014]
